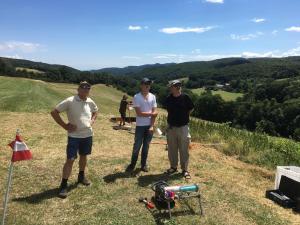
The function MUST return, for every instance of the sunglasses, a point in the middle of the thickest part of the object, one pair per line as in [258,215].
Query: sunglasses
[85,87]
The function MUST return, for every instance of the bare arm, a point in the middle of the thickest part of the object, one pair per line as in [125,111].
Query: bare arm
[67,126]
[142,114]
[94,116]
[153,117]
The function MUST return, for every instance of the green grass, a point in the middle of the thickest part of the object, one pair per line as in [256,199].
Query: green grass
[227,96]
[25,95]
[232,191]
[29,70]
[113,196]
[250,147]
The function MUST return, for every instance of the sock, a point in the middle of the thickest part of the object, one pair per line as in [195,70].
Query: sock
[81,173]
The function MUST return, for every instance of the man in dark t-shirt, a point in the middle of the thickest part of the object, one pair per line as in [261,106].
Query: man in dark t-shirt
[122,109]
[179,107]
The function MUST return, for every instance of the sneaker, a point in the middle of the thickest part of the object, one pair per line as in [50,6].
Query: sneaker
[145,169]
[63,192]
[83,180]
[129,169]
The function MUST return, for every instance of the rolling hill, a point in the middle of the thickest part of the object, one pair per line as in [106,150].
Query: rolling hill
[232,191]
[27,95]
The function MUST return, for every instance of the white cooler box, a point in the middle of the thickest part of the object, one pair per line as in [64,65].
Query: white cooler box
[292,172]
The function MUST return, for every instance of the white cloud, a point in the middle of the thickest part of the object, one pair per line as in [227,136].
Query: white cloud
[258,20]
[257,55]
[292,52]
[246,37]
[175,30]
[178,58]
[293,28]
[215,1]
[134,27]
[188,57]
[25,47]
[16,56]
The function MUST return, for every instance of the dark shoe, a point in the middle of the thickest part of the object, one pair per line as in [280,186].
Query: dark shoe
[83,180]
[186,175]
[129,169]
[63,192]
[171,171]
[145,169]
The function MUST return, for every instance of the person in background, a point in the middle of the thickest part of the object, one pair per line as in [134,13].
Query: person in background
[82,113]
[145,107]
[122,110]
[179,107]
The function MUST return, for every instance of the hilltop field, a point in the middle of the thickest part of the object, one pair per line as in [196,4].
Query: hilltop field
[233,191]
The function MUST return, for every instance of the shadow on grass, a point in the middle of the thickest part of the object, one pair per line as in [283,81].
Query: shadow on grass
[111,178]
[162,217]
[146,180]
[39,197]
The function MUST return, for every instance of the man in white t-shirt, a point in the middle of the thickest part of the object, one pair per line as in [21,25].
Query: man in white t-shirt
[81,112]
[145,107]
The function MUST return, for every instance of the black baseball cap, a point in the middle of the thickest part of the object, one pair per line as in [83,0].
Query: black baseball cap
[146,80]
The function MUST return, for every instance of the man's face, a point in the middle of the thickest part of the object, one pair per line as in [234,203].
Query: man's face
[145,87]
[175,89]
[83,92]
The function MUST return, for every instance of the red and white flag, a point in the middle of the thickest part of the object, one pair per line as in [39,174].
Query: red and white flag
[20,150]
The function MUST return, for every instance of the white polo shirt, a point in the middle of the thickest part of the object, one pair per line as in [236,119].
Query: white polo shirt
[79,113]
[145,105]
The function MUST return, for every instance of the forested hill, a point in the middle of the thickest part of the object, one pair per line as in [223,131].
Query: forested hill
[270,88]
[9,63]
[129,70]
[222,70]
[47,72]
[238,71]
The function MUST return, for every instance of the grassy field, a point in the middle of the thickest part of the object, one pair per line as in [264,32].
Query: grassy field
[251,147]
[233,191]
[29,70]
[227,96]
[25,95]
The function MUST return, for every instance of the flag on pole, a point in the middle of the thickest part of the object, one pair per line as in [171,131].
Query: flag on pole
[20,150]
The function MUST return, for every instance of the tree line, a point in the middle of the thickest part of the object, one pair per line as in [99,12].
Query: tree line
[271,101]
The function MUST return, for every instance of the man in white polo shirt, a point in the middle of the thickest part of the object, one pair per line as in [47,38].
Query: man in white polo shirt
[81,112]
[145,107]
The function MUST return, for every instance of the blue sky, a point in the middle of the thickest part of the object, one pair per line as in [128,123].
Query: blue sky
[105,33]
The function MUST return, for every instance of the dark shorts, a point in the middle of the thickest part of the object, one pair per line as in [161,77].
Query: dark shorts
[123,115]
[81,145]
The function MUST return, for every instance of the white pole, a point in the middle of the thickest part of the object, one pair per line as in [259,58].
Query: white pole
[8,186]
[7,191]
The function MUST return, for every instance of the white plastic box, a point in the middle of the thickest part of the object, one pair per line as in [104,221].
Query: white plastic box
[292,172]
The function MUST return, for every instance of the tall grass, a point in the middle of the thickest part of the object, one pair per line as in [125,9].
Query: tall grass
[250,147]
[227,96]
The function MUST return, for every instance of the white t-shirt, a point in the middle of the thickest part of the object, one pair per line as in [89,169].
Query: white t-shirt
[79,113]
[145,105]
